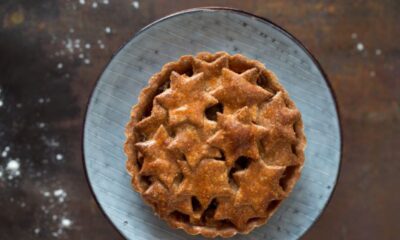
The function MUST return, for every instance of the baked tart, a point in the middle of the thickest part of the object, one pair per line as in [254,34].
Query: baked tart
[214,144]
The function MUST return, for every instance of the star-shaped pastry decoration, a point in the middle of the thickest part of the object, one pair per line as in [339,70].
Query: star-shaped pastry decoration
[279,153]
[149,125]
[163,200]
[276,115]
[280,119]
[237,215]
[267,183]
[240,90]
[189,142]
[158,161]
[186,100]
[212,69]
[238,135]
[207,181]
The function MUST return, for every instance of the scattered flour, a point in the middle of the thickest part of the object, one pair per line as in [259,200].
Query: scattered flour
[353,35]
[44,209]
[5,151]
[60,194]
[77,43]
[101,44]
[378,51]
[13,168]
[66,223]
[360,46]
[59,156]
[69,45]
[50,142]
[135,4]
[12,165]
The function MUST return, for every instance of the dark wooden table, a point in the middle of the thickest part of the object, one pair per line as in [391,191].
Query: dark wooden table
[51,53]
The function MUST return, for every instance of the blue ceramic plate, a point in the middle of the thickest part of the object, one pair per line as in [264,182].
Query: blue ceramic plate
[189,32]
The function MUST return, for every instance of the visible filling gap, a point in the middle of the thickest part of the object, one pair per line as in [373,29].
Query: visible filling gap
[211,112]
[225,223]
[148,109]
[263,82]
[286,176]
[232,181]
[242,163]
[184,157]
[222,157]
[188,72]
[272,205]
[178,179]
[293,148]
[139,161]
[146,181]
[240,68]
[196,206]
[179,216]
[209,211]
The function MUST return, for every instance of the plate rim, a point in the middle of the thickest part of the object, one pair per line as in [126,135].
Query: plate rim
[214,8]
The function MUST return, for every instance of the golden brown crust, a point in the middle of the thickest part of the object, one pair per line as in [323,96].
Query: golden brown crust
[214,144]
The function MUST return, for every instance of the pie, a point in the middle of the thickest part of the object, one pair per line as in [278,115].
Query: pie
[214,144]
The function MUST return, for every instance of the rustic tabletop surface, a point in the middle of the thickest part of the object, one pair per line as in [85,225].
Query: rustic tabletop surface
[52,52]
